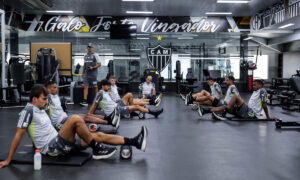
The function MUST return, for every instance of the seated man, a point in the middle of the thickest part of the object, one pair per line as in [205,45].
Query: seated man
[103,98]
[74,134]
[147,88]
[128,97]
[257,103]
[58,116]
[205,97]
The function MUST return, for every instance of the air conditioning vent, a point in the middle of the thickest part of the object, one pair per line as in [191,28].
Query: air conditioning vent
[38,4]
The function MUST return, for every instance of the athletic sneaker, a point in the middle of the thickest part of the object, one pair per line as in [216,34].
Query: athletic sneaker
[218,116]
[187,97]
[115,119]
[103,152]
[159,98]
[158,102]
[141,139]
[84,103]
[182,96]
[200,110]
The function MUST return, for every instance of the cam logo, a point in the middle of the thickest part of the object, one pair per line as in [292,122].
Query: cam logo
[159,57]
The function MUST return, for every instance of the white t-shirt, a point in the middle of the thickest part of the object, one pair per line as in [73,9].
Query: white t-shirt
[38,125]
[56,112]
[146,88]
[257,98]
[104,99]
[114,93]
[216,90]
[231,91]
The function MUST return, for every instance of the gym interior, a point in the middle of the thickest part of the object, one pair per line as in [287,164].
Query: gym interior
[190,50]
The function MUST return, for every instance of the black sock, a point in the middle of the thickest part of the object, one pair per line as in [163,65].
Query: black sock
[108,119]
[152,102]
[93,144]
[192,98]
[206,110]
[215,102]
[130,141]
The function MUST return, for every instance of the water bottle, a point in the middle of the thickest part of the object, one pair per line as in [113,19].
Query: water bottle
[37,160]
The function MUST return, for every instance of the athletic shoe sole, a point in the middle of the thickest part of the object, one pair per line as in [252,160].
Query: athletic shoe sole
[199,111]
[158,103]
[158,98]
[218,117]
[97,157]
[182,96]
[186,99]
[144,143]
[85,105]
[115,118]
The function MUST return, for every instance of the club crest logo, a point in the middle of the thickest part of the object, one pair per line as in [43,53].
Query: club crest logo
[159,57]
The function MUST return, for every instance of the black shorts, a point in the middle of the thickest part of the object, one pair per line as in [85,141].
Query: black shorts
[58,146]
[120,103]
[123,110]
[90,81]
[245,112]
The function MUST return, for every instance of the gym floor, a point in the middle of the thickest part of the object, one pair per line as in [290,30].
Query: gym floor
[180,146]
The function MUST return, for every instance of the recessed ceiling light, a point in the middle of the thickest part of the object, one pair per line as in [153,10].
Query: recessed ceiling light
[287,25]
[143,38]
[230,1]
[59,11]
[185,38]
[142,34]
[137,0]
[139,12]
[218,13]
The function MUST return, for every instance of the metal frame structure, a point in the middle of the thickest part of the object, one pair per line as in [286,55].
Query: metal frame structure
[2,13]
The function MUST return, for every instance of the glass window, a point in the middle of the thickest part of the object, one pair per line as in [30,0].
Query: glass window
[262,67]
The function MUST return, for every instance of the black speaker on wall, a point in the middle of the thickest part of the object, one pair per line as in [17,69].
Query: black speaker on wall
[123,31]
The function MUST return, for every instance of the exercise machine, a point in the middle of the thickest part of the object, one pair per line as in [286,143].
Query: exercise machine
[47,66]
[179,76]
[280,124]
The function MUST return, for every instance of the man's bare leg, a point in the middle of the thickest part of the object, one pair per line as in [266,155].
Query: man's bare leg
[96,90]
[75,124]
[89,118]
[200,94]
[141,102]
[235,100]
[138,108]
[85,92]
[128,99]
[106,139]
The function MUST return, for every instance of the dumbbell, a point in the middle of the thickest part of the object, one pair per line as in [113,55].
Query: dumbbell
[126,152]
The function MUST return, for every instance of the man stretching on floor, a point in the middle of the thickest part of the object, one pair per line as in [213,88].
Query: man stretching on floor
[148,88]
[214,101]
[103,98]
[205,97]
[58,116]
[74,134]
[257,103]
[125,101]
